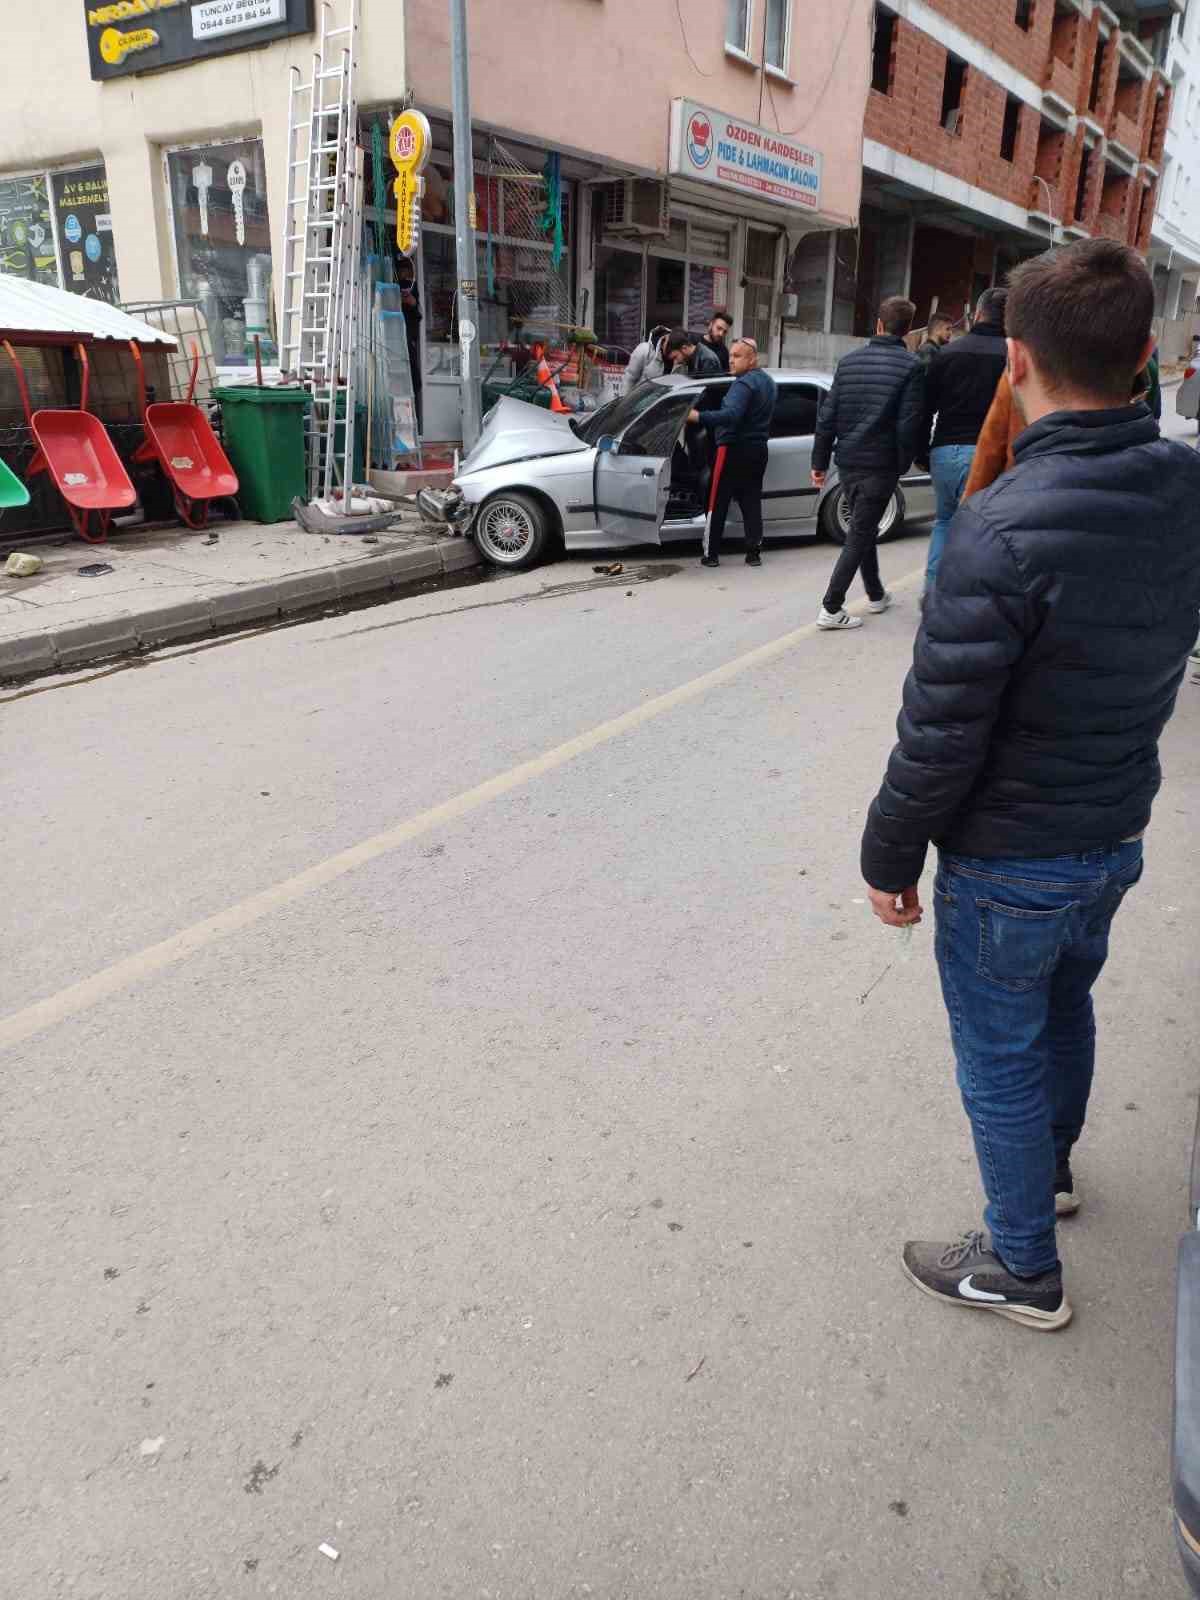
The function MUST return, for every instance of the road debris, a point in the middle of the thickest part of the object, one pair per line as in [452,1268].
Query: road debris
[695,1369]
[20,565]
[614,569]
[866,995]
[151,1447]
[328,1550]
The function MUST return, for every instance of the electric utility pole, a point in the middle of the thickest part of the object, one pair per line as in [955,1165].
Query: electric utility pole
[464,224]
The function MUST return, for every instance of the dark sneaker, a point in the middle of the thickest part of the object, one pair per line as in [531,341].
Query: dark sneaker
[1066,1201]
[970,1273]
[710,561]
[753,559]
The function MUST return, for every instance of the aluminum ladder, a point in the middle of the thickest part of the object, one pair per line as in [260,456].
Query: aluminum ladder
[322,229]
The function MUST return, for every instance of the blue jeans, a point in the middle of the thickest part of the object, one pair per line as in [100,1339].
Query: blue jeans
[950,467]
[1019,945]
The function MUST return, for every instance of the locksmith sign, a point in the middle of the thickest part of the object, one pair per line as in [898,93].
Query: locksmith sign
[127,36]
[714,148]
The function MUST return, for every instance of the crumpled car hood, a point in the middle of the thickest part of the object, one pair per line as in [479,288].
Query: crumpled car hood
[515,431]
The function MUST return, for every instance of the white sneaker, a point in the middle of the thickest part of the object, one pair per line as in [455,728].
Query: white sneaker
[876,606]
[829,620]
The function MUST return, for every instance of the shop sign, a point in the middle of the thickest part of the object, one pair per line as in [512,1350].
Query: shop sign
[409,143]
[712,147]
[127,36]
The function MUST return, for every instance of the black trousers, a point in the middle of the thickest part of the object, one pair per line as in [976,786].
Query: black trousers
[737,475]
[867,495]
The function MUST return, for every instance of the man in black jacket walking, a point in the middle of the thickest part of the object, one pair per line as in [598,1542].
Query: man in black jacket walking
[874,411]
[960,385]
[1046,665]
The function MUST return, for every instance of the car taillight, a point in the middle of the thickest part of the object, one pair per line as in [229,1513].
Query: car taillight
[1190,373]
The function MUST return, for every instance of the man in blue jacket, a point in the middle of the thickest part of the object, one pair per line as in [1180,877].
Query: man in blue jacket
[1047,663]
[741,426]
[874,411]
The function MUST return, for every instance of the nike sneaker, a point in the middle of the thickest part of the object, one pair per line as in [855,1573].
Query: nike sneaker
[970,1273]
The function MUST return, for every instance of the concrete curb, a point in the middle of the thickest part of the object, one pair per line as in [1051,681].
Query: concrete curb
[81,644]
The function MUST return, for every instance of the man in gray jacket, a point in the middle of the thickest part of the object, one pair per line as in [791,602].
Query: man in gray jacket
[661,352]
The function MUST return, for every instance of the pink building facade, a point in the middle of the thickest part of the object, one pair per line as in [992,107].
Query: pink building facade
[693,147]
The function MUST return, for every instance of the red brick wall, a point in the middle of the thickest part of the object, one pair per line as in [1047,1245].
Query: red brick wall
[993,23]
[1142,241]
[908,119]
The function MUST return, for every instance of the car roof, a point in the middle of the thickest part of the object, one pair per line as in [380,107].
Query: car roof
[780,375]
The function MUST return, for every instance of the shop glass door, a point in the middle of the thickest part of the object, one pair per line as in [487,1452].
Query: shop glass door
[758,307]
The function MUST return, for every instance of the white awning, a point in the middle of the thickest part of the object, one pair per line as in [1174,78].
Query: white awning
[33,312]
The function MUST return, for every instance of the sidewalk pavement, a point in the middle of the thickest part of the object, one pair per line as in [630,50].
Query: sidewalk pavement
[169,585]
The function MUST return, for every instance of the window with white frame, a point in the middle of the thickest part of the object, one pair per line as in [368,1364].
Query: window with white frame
[737,25]
[777,46]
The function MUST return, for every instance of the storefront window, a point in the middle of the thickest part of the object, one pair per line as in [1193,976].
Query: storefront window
[665,286]
[618,320]
[522,294]
[85,232]
[223,243]
[26,230]
[45,217]
[678,281]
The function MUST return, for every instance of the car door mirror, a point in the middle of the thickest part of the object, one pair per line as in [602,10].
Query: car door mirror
[606,444]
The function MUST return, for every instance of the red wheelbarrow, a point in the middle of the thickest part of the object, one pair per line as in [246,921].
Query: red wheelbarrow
[74,449]
[180,438]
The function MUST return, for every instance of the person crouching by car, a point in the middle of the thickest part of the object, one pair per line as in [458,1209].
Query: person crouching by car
[741,426]
[661,353]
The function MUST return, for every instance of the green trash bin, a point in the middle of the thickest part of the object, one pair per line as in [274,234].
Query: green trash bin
[264,439]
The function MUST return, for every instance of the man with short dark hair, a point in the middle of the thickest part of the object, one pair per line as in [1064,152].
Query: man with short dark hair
[937,336]
[873,411]
[715,336]
[665,352]
[705,362]
[960,385]
[1047,663]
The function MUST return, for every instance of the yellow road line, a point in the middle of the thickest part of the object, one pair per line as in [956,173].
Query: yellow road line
[77,997]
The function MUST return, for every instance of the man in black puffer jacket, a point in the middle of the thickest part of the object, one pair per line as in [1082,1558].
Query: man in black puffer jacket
[1047,663]
[874,410]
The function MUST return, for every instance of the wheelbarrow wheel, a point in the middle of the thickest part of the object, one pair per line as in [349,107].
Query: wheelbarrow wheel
[194,513]
[83,525]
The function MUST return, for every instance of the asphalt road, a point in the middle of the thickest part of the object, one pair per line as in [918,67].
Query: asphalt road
[502,1182]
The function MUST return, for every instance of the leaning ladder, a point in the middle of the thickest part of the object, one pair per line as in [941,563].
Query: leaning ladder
[322,225]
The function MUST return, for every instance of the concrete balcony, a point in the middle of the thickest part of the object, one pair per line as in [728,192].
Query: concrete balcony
[1061,82]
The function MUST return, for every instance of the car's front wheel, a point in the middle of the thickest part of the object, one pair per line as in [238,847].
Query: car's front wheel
[834,517]
[513,531]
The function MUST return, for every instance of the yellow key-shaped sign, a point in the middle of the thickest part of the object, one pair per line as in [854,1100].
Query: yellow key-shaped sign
[409,144]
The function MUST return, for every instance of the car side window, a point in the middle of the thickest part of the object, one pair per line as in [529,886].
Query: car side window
[796,410]
[655,432]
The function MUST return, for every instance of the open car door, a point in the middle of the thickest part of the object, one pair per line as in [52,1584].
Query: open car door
[632,475]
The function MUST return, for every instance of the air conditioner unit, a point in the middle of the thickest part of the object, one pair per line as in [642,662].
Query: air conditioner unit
[635,207]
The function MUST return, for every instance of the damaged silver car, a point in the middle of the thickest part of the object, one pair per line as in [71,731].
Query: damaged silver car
[635,472]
